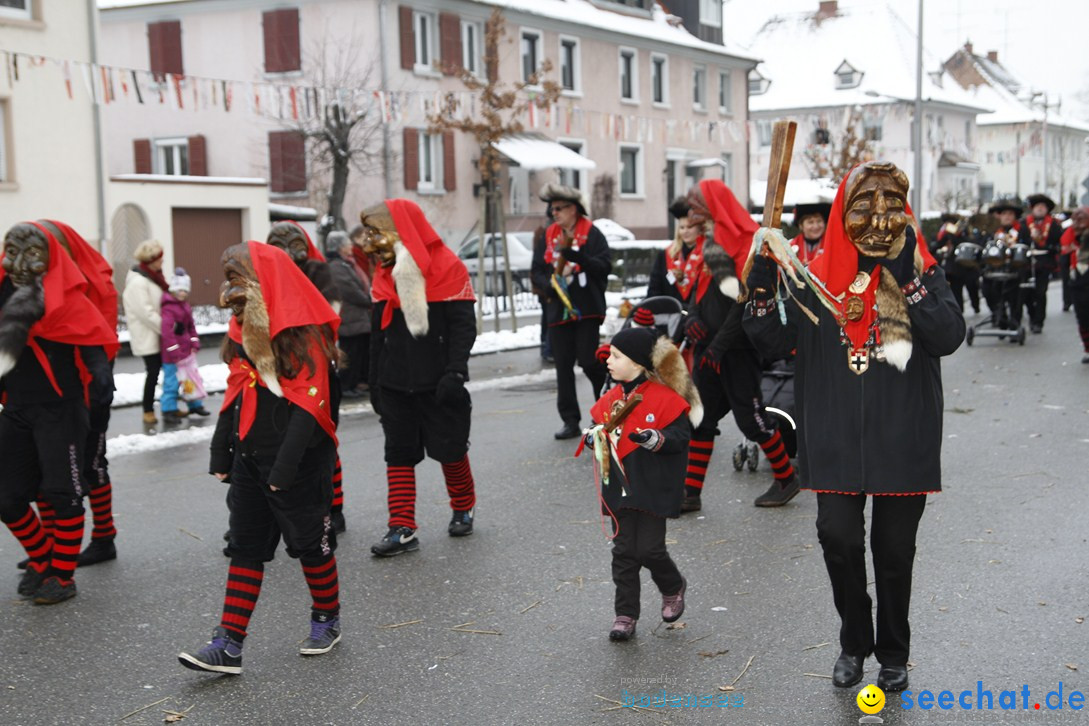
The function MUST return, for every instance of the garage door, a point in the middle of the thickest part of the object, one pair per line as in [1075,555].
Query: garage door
[200,236]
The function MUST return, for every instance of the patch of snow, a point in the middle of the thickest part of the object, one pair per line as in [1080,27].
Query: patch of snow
[528,336]
[613,231]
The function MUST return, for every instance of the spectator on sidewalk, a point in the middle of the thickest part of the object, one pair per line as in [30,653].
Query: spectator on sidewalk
[142,298]
[179,340]
[355,311]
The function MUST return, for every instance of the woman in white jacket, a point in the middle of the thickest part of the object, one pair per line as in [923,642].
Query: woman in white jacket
[142,298]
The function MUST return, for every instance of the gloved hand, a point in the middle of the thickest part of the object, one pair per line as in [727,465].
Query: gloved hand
[762,278]
[179,328]
[450,388]
[903,267]
[602,353]
[694,330]
[572,255]
[649,439]
[709,361]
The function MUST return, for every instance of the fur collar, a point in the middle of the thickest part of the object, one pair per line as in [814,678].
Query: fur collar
[670,369]
[411,289]
[25,307]
[256,340]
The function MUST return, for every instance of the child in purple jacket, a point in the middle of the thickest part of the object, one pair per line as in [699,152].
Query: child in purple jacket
[179,339]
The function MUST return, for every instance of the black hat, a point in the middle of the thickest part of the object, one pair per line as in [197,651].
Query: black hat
[808,208]
[1003,205]
[950,217]
[1033,199]
[551,192]
[637,344]
[679,208]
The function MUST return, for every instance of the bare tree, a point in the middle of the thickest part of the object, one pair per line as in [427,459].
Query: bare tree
[830,157]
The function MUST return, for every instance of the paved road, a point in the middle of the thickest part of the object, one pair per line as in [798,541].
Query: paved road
[1000,583]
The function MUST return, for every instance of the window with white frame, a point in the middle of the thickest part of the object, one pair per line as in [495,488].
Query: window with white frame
[531,53]
[659,79]
[5,175]
[763,132]
[172,156]
[699,87]
[20,9]
[631,170]
[847,76]
[725,93]
[471,34]
[629,76]
[573,177]
[570,67]
[758,84]
[871,129]
[728,168]
[423,25]
[711,13]
[430,162]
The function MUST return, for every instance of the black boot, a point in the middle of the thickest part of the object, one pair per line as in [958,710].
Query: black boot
[892,679]
[99,550]
[848,670]
[779,493]
[570,430]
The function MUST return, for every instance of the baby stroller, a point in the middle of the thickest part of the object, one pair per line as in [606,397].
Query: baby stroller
[669,317]
[1007,272]
[777,388]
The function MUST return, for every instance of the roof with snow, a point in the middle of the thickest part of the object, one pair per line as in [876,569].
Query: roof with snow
[804,50]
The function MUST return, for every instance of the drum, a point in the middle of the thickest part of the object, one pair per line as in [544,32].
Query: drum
[1019,257]
[994,255]
[968,254]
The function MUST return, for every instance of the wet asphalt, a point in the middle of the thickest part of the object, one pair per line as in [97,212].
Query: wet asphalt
[509,626]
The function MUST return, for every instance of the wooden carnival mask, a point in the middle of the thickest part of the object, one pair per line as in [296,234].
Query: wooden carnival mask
[698,213]
[289,237]
[379,234]
[875,209]
[239,276]
[26,254]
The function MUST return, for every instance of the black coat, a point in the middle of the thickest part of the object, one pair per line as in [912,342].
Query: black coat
[875,433]
[405,363]
[1052,243]
[355,297]
[595,259]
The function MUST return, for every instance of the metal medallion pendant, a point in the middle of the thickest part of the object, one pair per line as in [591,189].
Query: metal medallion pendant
[854,308]
[862,281]
[858,360]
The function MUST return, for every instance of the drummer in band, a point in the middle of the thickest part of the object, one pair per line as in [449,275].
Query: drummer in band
[959,257]
[811,218]
[998,291]
[1045,233]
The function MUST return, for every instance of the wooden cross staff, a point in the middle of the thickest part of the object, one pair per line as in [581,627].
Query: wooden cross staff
[782,147]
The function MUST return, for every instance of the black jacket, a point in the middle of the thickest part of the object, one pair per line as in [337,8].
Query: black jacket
[404,363]
[318,272]
[355,298]
[595,259]
[875,433]
[1052,243]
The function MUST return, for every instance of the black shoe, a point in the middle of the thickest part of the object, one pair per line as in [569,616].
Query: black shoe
[199,411]
[396,541]
[691,504]
[337,520]
[30,581]
[848,670]
[223,654]
[173,417]
[1036,328]
[100,550]
[227,536]
[778,494]
[226,551]
[21,564]
[53,591]
[569,431]
[892,679]
[461,524]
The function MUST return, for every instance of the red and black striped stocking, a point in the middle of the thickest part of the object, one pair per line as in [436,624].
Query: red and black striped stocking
[321,578]
[459,484]
[402,496]
[243,588]
[776,452]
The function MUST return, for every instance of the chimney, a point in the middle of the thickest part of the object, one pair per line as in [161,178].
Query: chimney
[826,9]
[992,56]
[968,47]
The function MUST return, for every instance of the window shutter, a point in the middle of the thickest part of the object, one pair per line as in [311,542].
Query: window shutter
[449,171]
[198,157]
[408,38]
[141,152]
[450,39]
[281,32]
[164,46]
[411,154]
[287,161]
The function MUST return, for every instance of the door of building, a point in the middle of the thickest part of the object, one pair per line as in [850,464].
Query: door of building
[200,236]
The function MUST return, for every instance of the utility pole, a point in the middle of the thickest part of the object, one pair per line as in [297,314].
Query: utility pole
[917,176]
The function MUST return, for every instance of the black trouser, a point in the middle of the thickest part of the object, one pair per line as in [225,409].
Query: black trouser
[959,283]
[152,364]
[841,529]
[299,514]
[640,542]
[735,389]
[357,348]
[571,342]
[1064,275]
[41,448]
[415,424]
[1005,299]
[1036,297]
[1080,297]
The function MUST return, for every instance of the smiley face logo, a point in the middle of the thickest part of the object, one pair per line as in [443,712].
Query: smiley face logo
[871,699]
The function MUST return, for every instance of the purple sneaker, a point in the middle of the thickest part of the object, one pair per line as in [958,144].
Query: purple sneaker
[673,605]
[623,628]
[223,654]
[324,634]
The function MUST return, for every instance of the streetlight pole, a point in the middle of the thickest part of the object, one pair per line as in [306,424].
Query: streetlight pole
[917,176]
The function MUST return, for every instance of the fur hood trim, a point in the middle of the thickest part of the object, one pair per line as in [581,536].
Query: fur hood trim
[25,307]
[411,289]
[256,340]
[670,369]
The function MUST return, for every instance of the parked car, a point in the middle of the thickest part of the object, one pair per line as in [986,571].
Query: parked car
[520,249]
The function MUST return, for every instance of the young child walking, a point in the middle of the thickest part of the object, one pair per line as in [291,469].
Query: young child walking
[179,341]
[275,444]
[640,439]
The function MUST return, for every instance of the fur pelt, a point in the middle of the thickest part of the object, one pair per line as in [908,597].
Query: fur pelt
[893,321]
[722,268]
[25,307]
[256,340]
[670,369]
[412,290]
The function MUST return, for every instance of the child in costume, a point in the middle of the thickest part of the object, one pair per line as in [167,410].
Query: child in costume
[642,463]
[180,340]
[275,443]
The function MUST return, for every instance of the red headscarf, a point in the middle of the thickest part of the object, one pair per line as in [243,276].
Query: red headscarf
[292,301]
[70,317]
[445,274]
[837,265]
[734,227]
[96,269]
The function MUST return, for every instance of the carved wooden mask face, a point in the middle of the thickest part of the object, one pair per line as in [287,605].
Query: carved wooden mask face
[875,210]
[291,239]
[26,254]
[379,234]
[698,213]
[238,275]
